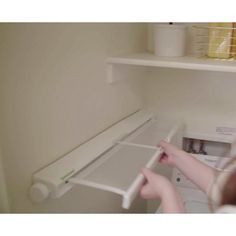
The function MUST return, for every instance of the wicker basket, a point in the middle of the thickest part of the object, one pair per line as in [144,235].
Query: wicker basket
[216,40]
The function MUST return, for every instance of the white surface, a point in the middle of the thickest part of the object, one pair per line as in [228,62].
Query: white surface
[205,100]
[54,78]
[214,161]
[170,40]
[52,111]
[196,207]
[186,62]
[118,170]
[38,192]
[195,200]
[106,164]
[57,173]
[227,209]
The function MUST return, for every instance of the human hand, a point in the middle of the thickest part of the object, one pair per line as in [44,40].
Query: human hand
[155,185]
[170,153]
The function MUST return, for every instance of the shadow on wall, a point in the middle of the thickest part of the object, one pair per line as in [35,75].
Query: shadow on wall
[4,206]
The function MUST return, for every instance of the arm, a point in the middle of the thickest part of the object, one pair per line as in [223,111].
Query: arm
[171,202]
[201,174]
[158,186]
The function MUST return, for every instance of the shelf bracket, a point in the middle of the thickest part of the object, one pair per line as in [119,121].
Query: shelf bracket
[115,73]
[110,73]
[122,72]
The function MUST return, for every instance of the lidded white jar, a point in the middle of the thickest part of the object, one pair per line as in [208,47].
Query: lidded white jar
[170,40]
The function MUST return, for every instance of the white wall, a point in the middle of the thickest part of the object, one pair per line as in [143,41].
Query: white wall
[55,97]
[202,99]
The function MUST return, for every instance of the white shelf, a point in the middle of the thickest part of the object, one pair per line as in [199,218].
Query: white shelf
[187,62]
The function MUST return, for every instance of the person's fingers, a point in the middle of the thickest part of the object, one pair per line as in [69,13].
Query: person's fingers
[147,173]
[163,144]
[142,192]
[163,156]
[168,147]
[164,159]
[145,190]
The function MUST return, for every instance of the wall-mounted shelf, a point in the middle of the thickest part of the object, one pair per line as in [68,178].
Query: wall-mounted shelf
[112,161]
[187,62]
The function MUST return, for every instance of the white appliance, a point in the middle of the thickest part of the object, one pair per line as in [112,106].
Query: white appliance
[195,201]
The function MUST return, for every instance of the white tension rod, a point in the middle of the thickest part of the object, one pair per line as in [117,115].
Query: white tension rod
[137,145]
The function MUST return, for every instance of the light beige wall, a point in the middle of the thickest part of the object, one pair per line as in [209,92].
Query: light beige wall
[200,98]
[4,207]
[204,100]
[55,97]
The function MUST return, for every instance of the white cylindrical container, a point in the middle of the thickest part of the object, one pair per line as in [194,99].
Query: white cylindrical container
[170,40]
